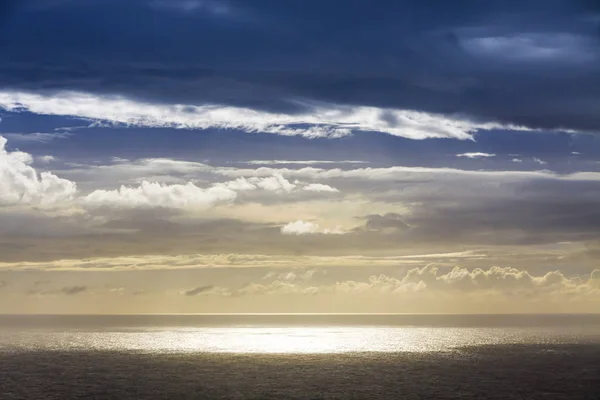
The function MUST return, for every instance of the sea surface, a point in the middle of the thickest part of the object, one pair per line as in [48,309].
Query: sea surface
[300,357]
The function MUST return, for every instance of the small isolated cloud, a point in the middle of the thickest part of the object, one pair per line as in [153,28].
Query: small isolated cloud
[192,6]
[198,290]
[386,223]
[72,290]
[307,228]
[517,160]
[300,228]
[45,159]
[539,161]
[475,155]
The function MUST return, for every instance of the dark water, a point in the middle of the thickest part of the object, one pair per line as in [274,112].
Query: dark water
[260,357]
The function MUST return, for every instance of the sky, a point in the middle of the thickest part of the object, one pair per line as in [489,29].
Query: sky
[232,156]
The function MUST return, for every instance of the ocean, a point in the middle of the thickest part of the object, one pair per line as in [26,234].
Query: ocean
[300,357]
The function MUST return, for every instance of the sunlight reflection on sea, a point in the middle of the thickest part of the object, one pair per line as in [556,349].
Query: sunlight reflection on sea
[253,339]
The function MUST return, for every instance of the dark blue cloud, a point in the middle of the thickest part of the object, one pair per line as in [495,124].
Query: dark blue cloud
[535,63]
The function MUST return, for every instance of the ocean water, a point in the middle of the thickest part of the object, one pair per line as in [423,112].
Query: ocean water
[300,357]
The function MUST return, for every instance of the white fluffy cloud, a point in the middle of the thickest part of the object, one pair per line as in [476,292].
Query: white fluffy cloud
[322,121]
[307,228]
[303,162]
[151,194]
[499,280]
[162,195]
[319,187]
[300,228]
[427,280]
[275,183]
[20,184]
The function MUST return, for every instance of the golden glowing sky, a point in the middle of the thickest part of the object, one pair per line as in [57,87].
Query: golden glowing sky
[368,166]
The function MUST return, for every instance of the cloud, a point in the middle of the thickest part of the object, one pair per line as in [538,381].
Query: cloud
[73,290]
[595,278]
[300,228]
[199,290]
[392,173]
[20,184]
[213,7]
[296,275]
[428,280]
[387,223]
[435,61]
[64,291]
[275,183]
[517,160]
[475,155]
[307,228]
[538,161]
[524,47]
[319,187]
[276,287]
[303,162]
[45,159]
[156,195]
[505,281]
[226,260]
[39,137]
[405,173]
[502,280]
[545,212]
[325,121]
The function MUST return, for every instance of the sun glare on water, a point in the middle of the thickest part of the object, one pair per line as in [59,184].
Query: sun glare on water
[288,339]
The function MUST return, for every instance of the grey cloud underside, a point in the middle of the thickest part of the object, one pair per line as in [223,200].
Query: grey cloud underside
[534,63]
[486,210]
[439,228]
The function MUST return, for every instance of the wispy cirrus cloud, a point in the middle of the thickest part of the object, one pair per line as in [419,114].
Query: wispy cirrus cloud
[475,155]
[320,120]
[302,162]
[39,137]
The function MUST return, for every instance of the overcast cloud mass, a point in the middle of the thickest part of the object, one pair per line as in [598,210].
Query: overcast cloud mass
[314,156]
